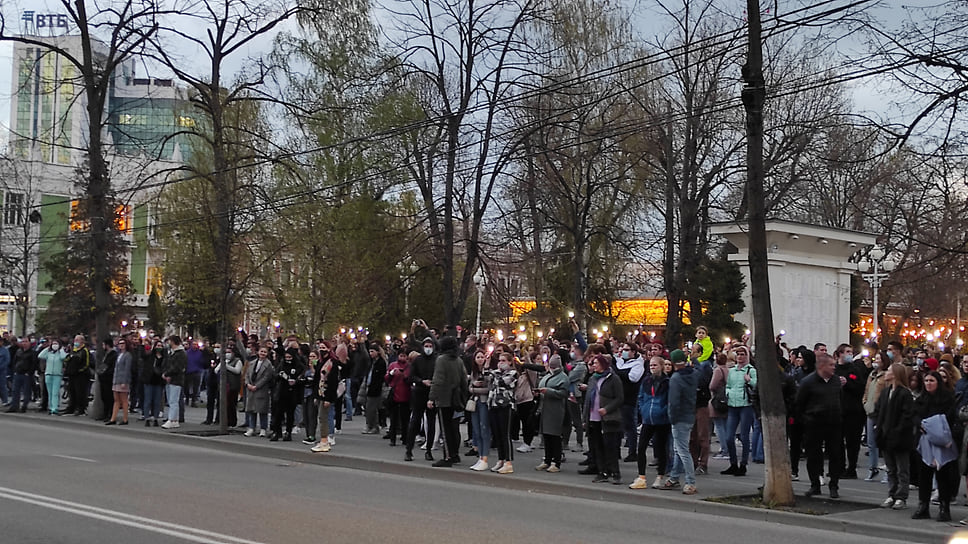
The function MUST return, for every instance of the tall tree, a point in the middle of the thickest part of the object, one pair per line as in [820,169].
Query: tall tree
[230,27]
[467,59]
[109,33]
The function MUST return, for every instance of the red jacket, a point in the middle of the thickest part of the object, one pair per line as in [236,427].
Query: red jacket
[398,378]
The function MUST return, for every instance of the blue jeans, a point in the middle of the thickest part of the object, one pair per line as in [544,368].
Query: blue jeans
[481,423]
[151,404]
[4,394]
[250,420]
[872,443]
[720,424]
[740,418]
[53,392]
[683,464]
[348,400]
[22,385]
[174,396]
[757,439]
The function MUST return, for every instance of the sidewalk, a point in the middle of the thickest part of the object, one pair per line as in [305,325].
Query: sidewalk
[370,452]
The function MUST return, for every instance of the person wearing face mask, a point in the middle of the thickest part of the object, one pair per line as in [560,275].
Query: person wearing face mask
[328,381]
[553,388]
[500,400]
[854,379]
[287,393]
[448,393]
[421,377]
[630,367]
[211,383]
[872,393]
[54,357]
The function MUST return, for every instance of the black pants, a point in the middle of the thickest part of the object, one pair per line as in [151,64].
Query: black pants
[310,415]
[522,424]
[399,420]
[212,397]
[552,444]
[854,424]
[419,404]
[450,428]
[78,384]
[606,446]
[500,419]
[285,406]
[107,396]
[659,435]
[948,482]
[573,421]
[823,437]
[795,434]
[629,416]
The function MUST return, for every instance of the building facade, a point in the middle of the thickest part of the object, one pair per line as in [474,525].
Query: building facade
[145,131]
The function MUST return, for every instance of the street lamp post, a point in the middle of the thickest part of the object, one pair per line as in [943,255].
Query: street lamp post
[874,269]
[480,281]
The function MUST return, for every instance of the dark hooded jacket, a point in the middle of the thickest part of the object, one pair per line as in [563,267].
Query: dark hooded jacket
[422,369]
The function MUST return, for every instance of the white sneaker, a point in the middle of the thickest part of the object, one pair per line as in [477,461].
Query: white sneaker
[172,425]
[506,469]
[899,504]
[659,480]
[320,448]
[250,432]
[339,431]
[524,448]
[479,466]
[888,502]
[497,466]
[166,425]
[263,433]
[332,440]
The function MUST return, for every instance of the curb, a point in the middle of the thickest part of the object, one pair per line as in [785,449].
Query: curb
[597,492]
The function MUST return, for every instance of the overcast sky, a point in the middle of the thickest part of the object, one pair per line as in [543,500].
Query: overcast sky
[870,96]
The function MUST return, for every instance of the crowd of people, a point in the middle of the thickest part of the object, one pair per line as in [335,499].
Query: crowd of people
[908,405]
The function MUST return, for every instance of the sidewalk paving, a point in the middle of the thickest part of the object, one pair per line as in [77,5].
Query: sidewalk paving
[370,452]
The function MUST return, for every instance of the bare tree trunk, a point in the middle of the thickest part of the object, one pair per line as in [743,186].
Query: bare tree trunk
[778,488]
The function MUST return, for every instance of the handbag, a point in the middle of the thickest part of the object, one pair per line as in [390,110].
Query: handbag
[719,401]
[471,404]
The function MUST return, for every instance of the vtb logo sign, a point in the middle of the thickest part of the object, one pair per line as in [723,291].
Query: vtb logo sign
[45,20]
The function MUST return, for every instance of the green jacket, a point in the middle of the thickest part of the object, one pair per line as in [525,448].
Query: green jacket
[449,386]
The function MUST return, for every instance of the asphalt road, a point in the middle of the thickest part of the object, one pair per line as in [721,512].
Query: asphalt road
[77,486]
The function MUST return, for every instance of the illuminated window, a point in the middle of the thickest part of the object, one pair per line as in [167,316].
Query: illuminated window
[153,280]
[185,121]
[77,224]
[122,218]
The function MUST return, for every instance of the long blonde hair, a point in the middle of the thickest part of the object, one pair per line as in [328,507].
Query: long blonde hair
[901,377]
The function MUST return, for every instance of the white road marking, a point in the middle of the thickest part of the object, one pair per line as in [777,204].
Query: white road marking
[75,458]
[120,518]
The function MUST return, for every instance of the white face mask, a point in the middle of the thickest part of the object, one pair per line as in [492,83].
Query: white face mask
[428,351]
[54,347]
[218,351]
[625,354]
[504,367]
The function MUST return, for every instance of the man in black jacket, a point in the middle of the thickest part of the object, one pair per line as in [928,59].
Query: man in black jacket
[24,368]
[854,374]
[421,376]
[819,404]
